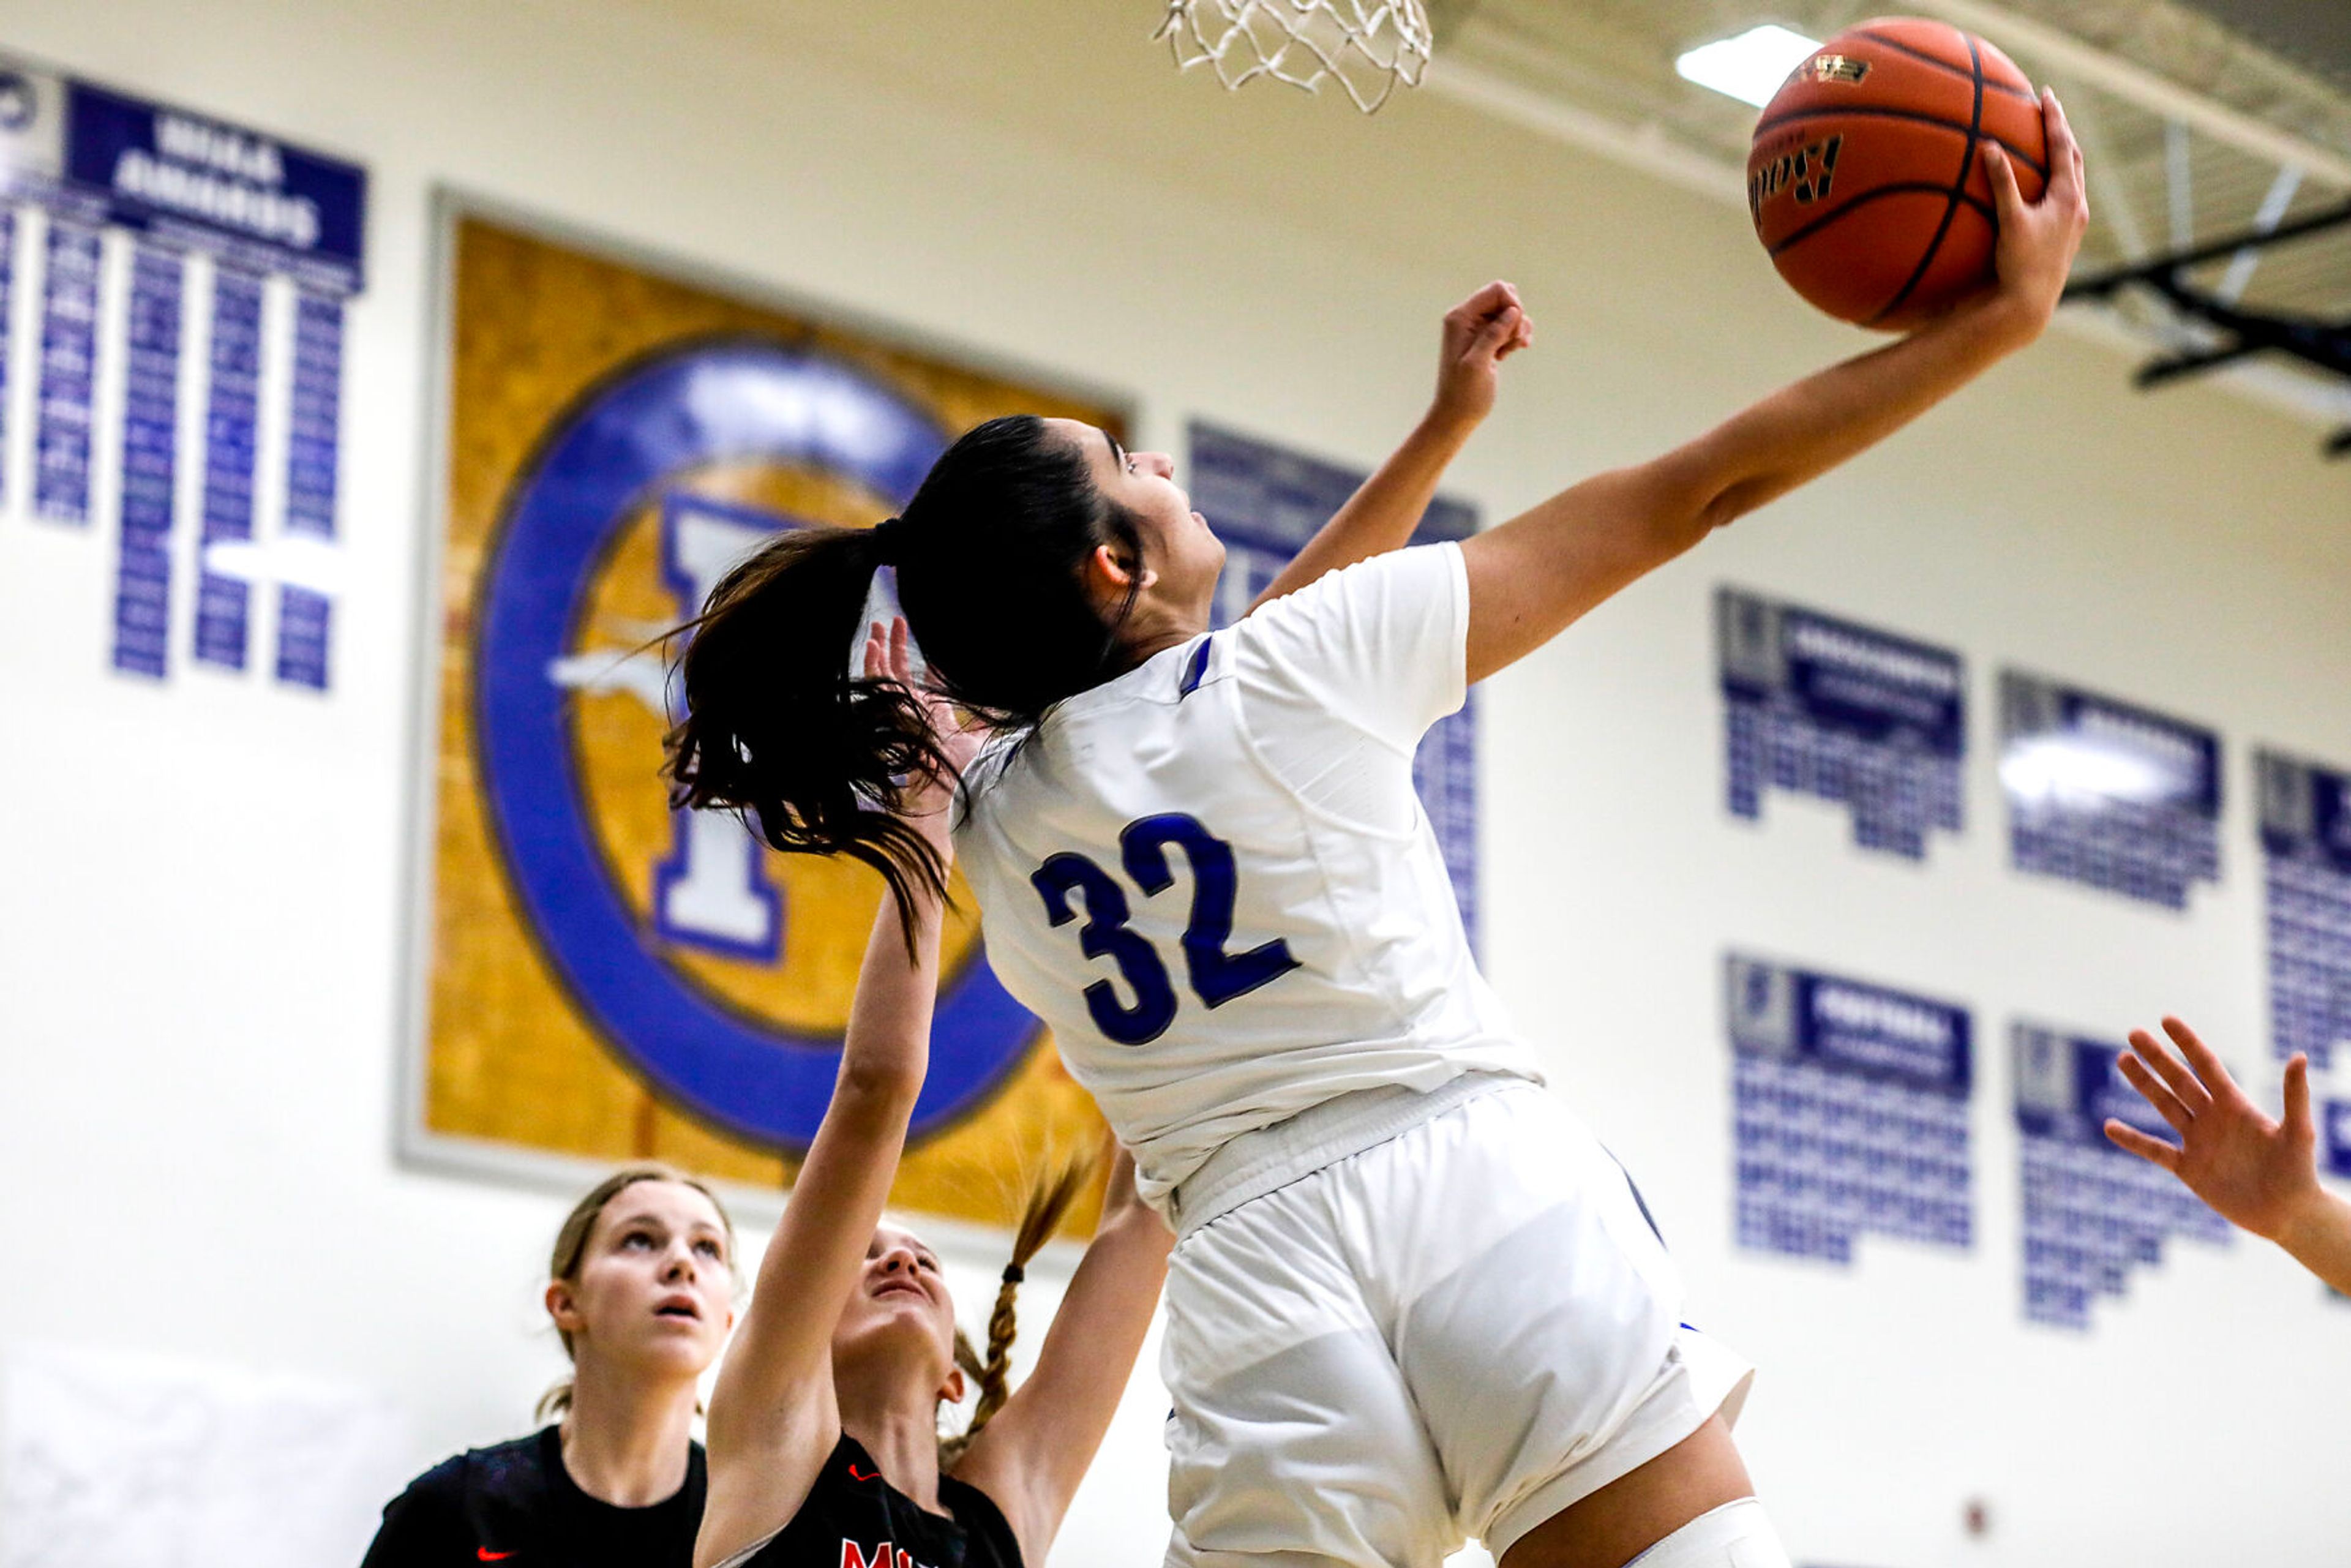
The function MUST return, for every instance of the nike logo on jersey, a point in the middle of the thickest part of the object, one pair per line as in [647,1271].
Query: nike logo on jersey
[855,1477]
[484,1554]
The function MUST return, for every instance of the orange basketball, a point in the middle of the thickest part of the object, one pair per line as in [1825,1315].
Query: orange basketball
[1867,180]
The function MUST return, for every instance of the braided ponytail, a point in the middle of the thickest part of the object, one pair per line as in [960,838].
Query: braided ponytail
[1050,1198]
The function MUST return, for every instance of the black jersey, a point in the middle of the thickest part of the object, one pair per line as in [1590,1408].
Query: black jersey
[516,1503]
[854,1519]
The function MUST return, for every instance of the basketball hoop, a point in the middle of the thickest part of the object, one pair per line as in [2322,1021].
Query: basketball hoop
[1368,45]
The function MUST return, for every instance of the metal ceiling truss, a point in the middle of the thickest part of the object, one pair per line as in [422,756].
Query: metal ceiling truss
[2240,333]
[2219,175]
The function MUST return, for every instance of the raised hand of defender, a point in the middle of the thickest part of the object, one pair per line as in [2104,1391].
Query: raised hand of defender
[2038,239]
[959,741]
[2257,1173]
[1480,333]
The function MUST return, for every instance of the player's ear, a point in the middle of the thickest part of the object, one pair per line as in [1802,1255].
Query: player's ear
[1111,576]
[952,1390]
[1109,566]
[563,1307]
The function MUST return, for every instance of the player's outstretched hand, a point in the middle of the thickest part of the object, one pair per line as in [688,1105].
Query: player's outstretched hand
[960,738]
[2038,239]
[1480,333]
[2259,1173]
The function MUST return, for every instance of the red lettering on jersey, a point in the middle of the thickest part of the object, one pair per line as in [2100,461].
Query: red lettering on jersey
[853,1556]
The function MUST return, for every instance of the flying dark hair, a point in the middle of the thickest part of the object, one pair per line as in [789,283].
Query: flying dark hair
[988,555]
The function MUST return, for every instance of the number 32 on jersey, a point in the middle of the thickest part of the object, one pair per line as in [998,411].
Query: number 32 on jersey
[1216,976]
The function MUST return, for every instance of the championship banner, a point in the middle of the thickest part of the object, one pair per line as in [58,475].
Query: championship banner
[212,263]
[1850,1112]
[2306,853]
[1859,718]
[611,980]
[2093,1211]
[2109,794]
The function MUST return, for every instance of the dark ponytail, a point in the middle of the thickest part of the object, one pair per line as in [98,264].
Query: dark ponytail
[777,728]
[989,557]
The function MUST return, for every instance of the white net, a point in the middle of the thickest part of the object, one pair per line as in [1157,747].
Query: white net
[1368,45]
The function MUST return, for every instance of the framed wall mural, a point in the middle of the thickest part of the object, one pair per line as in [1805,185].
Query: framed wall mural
[605,979]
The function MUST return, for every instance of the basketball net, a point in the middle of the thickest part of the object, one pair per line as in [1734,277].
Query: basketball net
[1368,45]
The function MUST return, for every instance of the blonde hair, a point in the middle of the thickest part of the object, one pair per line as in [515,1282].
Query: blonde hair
[1051,1193]
[570,1249]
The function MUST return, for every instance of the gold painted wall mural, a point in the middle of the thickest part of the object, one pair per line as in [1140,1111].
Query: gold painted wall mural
[609,980]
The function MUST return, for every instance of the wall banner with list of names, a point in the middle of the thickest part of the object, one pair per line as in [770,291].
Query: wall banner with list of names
[2093,1211]
[2306,848]
[1859,718]
[1850,1111]
[216,261]
[2106,793]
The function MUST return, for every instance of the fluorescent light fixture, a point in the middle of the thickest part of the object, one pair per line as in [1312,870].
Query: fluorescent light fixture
[1750,66]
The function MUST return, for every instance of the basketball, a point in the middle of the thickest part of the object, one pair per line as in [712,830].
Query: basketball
[1867,180]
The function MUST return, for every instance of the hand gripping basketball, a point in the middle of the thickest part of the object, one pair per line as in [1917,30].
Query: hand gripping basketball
[1871,181]
[2038,239]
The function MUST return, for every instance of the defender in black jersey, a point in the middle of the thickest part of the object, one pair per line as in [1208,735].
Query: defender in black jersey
[854,1519]
[516,1503]
[825,1448]
[640,1289]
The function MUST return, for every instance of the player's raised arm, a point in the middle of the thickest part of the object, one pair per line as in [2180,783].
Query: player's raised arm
[1533,576]
[2258,1174]
[773,1414]
[1479,334]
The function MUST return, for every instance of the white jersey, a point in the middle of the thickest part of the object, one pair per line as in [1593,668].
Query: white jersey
[1212,876]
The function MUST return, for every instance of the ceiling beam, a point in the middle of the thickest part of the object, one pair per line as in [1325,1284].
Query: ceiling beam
[2111,73]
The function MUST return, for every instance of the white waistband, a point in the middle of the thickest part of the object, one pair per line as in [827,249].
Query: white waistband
[1257,1162]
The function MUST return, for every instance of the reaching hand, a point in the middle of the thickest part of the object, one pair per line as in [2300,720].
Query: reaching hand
[2259,1173]
[1480,333]
[2038,239]
[886,659]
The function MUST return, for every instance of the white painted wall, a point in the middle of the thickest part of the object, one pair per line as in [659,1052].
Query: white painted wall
[204,887]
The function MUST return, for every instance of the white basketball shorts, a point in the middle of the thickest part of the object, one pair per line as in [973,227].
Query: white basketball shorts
[1401,1320]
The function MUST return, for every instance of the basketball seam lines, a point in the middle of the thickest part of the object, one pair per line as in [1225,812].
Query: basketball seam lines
[1959,189]
[1943,65]
[1799,117]
[1908,187]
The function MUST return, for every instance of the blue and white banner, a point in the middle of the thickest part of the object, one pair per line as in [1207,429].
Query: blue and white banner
[151,425]
[8,330]
[2092,1212]
[2334,1117]
[232,443]
[2306,848]
[2106,793]
[305,613]
[1845,712]
[1265,502]
[1850,1111]
[109,177]
[65,409]
[110,160]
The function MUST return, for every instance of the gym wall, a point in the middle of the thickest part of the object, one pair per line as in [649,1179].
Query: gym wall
[209,896]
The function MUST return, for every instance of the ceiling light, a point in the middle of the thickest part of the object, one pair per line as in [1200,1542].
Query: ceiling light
[1750,66]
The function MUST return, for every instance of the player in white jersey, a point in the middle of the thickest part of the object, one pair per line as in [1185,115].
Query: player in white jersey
[1411,1298]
